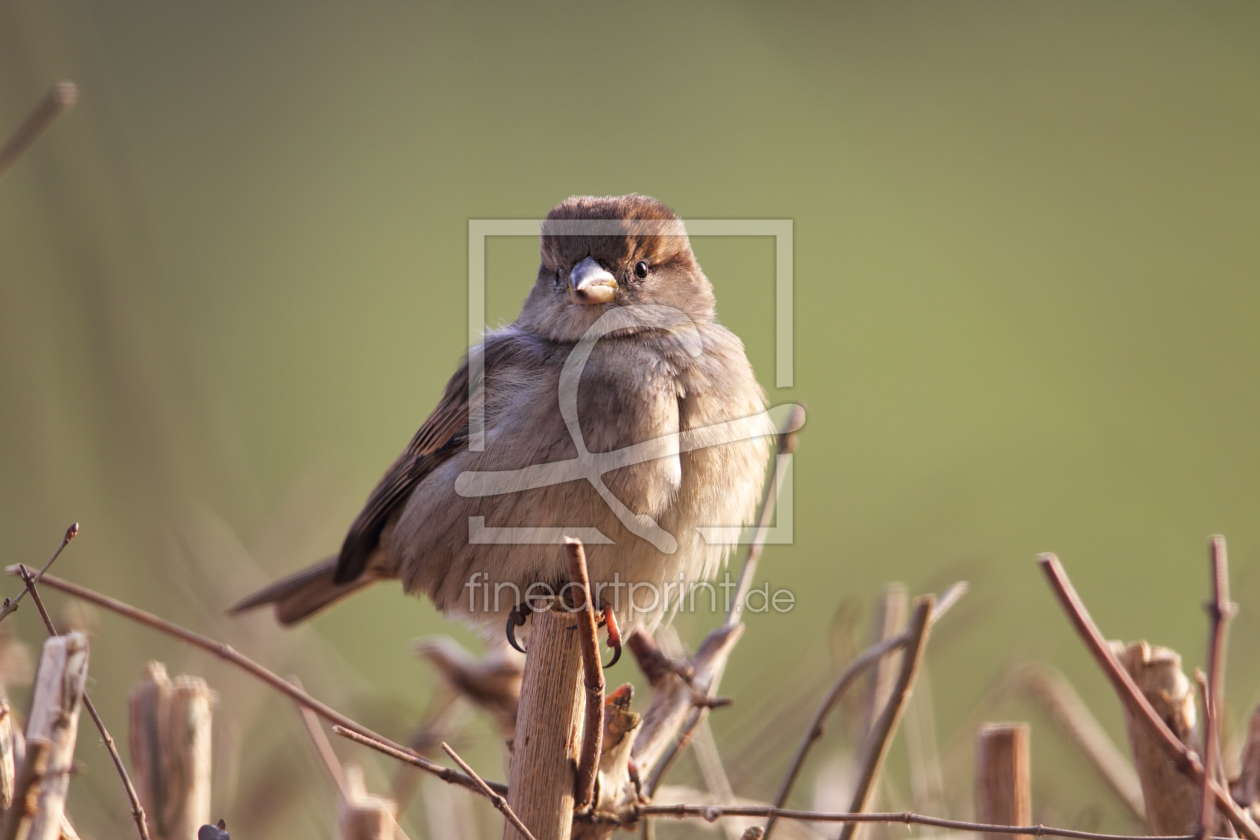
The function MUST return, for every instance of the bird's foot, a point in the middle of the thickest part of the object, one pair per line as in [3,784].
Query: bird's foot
[516,618]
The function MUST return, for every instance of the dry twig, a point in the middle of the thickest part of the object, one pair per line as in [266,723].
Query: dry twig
[496,799]
[11,605]
[1219,611]
[592,675]
[319,741]
[842,684]
[446,774]
[57,101]
[228,654]
[1054,693]
[786,445]
[711,813]
[1187,762]
[920,624]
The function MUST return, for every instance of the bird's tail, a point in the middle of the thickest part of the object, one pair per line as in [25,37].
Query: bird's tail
[304,593]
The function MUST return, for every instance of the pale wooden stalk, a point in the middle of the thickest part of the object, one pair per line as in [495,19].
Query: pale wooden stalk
[887,620]
[548,729]
[170,743]
[1172,798]
[1003,785]
[8,768]
[361,815]
[30,778]
[54,717]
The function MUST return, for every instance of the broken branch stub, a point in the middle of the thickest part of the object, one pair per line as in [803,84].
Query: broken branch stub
[1172,798]
[169,738]
[54,717]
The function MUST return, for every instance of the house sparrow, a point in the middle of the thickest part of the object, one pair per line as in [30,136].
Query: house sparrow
[615,408]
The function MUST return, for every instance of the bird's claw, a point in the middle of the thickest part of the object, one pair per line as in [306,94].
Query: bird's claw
[516,618]
[614,635]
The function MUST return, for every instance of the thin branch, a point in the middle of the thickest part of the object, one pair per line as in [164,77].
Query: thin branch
[592,675]
[56,102]
[856,668]
[228,654]
[495,799]
[137,810]
[1219,610]
[920,624]
[711,813]
[1131,696]
[11,605]
[446,774]
[786,444]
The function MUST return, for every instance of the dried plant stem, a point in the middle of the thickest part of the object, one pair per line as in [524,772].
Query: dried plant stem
[592,675]
[495,799]
[228,654]
[137,812]
[1131,696]
[59,99]
[11,605]
[711,813]
[881,736]
[786,446]
[721,636]
[1219,611]
[842,684]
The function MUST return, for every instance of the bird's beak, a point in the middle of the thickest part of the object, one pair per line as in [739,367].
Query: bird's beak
[590,283]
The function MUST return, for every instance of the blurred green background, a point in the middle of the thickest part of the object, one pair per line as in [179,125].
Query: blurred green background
[233,283]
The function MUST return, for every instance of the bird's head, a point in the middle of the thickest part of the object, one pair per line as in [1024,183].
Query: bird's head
[612,251]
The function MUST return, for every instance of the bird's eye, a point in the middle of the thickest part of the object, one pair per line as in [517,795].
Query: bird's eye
[641,269]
